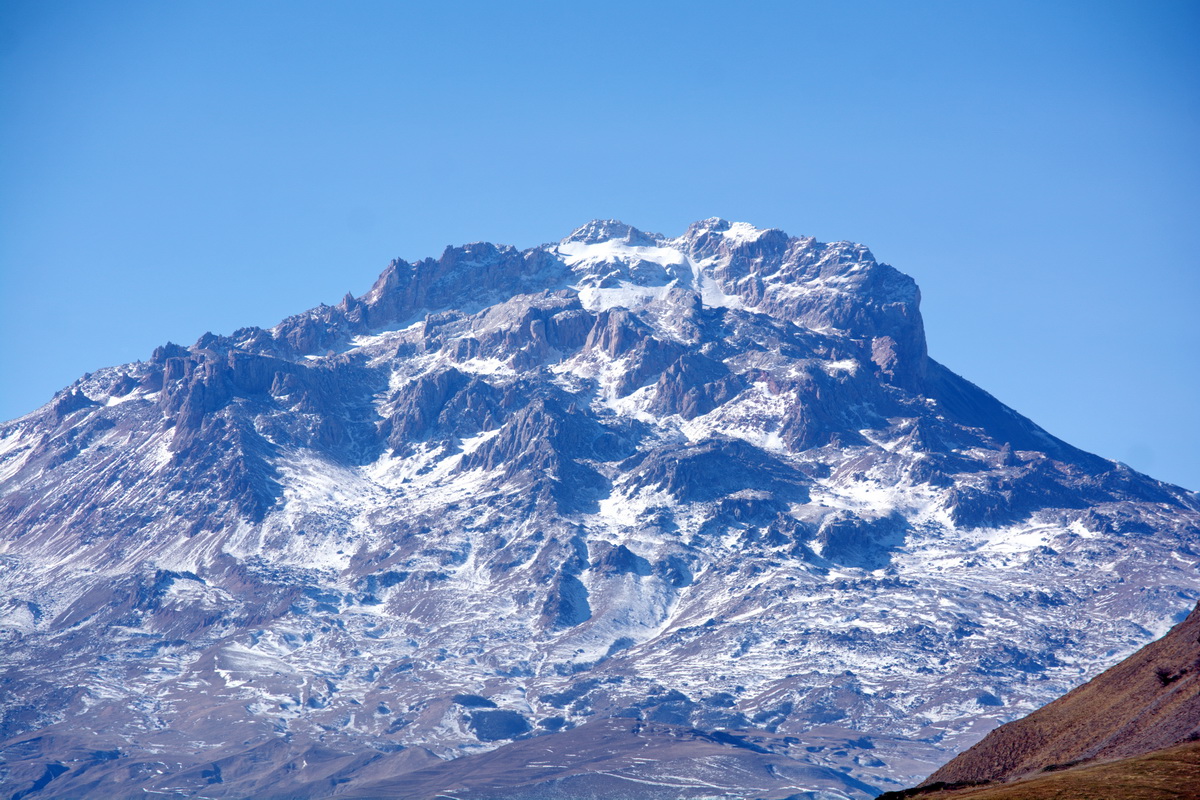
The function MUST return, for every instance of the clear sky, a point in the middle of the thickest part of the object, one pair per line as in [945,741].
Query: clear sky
[168,168]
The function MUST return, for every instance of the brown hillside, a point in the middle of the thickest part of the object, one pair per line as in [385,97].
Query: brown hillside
[1170,774]
[1148,702]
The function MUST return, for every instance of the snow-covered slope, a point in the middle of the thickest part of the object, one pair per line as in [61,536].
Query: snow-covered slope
[704,484]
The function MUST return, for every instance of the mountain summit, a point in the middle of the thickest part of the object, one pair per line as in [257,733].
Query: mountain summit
[690,515]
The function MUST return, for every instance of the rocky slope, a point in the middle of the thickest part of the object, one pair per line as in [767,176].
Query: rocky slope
[1148,702]
[710,484]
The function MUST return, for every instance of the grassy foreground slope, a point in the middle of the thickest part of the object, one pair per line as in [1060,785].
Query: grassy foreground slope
[1149,701]
[1130,733]
[1172,773]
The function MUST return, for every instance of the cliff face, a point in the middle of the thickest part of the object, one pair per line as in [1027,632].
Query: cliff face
[707,483]
[1148,702]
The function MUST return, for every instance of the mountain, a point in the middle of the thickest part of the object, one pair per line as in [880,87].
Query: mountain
[685,516]
[1131,729]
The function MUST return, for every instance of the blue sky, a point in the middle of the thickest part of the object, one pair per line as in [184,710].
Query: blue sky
[172,168]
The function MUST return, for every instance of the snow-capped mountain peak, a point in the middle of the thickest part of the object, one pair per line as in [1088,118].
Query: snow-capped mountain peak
[701,484]
[607,230]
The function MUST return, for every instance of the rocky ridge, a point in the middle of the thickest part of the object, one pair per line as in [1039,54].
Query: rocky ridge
[711,483]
